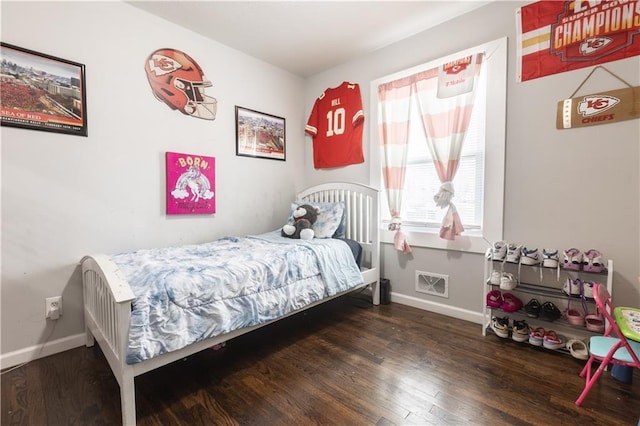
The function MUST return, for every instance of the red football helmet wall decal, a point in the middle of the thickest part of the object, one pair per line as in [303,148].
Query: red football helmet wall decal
[178,81]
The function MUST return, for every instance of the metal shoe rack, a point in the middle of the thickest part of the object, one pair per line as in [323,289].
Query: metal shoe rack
[544,284]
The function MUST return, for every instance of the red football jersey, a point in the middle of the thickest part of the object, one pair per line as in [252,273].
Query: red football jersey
[335,124]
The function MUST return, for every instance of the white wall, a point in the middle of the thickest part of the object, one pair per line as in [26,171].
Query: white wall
[67,196]
[564,188]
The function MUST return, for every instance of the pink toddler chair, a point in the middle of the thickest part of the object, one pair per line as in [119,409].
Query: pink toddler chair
[612,348]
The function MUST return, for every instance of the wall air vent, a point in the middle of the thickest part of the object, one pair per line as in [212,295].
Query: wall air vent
[432,283]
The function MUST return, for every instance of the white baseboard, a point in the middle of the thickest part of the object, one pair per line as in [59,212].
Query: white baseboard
[34,352]
[439,308]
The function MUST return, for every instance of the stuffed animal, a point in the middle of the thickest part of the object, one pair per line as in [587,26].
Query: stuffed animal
[304,218]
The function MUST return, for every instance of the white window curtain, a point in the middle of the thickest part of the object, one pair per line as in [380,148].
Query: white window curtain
[394,110]
[445,98]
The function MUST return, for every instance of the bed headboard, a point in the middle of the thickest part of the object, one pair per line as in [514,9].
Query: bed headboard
[362,214]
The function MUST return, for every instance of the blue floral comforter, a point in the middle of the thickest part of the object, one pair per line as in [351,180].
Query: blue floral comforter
[189,293]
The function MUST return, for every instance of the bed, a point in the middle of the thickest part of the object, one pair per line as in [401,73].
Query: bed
[117,312]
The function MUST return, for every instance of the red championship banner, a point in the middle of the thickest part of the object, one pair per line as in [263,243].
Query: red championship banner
[559,36]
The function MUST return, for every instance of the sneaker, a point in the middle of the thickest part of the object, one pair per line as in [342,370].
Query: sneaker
[510,303]
[508,281]
[532,308]
[572,259]
[513,253]
[592,261]
[573,287]
[529,256]
[550,258]
[495,277]
[536,336]
[587,289]
[500,326]
[578,349]
[553,340]
[499,250]
[520,331]
[494,299]
[549,312]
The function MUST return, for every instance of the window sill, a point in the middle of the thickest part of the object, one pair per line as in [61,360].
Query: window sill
[472,242]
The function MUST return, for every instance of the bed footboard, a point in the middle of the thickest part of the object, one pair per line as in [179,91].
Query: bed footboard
[107,312]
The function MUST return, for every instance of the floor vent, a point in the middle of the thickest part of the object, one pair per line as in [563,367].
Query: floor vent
[432,283]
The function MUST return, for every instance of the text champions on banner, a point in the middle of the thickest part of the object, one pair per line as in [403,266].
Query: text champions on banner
[559,36]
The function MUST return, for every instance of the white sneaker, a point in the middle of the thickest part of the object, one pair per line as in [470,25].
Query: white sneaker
[499,250]
[508,281]
[573,287]
[550,258]
[529,256]
[513,253]
[495,277]
[587,288]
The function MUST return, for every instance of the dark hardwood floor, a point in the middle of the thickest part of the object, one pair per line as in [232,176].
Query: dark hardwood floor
[342,363]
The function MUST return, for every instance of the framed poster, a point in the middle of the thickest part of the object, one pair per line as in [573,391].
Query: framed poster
[260,135]
[190,184]
[42,92]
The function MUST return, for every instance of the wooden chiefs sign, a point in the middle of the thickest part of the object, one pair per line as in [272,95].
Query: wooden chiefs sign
[599,108]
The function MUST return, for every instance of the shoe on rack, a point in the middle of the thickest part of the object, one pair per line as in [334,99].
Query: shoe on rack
[532,308]
[494,299]
[500,326]
[536,336]
[553,340]
[508,281]
[513,253]
[573,287]
[510,303]
[592,261]
[495,277]
[549,312]
[574,317]
[499,250]
[572,259]
[587,289]
[594,322]
[578,349]
[529,256]
[520,331]
[550,258]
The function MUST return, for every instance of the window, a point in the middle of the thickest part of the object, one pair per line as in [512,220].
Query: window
[479,181]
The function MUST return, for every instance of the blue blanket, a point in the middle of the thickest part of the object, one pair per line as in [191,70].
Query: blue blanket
[189,293]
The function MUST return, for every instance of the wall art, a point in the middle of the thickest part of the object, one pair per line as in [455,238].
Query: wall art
[260,135]
[177,80]
[558,36]
[42,92]
[190,184]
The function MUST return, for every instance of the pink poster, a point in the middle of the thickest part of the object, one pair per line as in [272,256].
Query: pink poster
[190,184]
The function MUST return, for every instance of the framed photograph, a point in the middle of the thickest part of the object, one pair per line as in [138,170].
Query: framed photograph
[42,92]
[260,135]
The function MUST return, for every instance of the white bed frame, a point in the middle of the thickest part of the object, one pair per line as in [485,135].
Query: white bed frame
[108,297]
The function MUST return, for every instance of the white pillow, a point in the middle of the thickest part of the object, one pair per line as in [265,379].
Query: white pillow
[330,217]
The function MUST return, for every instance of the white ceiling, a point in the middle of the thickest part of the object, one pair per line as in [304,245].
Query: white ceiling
[307,37]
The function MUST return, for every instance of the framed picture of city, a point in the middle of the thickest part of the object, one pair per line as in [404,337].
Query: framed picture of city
[41,92]
[260,135]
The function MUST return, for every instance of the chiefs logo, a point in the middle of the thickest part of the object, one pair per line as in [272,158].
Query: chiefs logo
[161,64]
[592,45]
[595,104]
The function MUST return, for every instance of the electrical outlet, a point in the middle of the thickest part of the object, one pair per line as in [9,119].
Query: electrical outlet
[53,307]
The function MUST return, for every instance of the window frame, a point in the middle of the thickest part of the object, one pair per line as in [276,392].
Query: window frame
[491,230]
